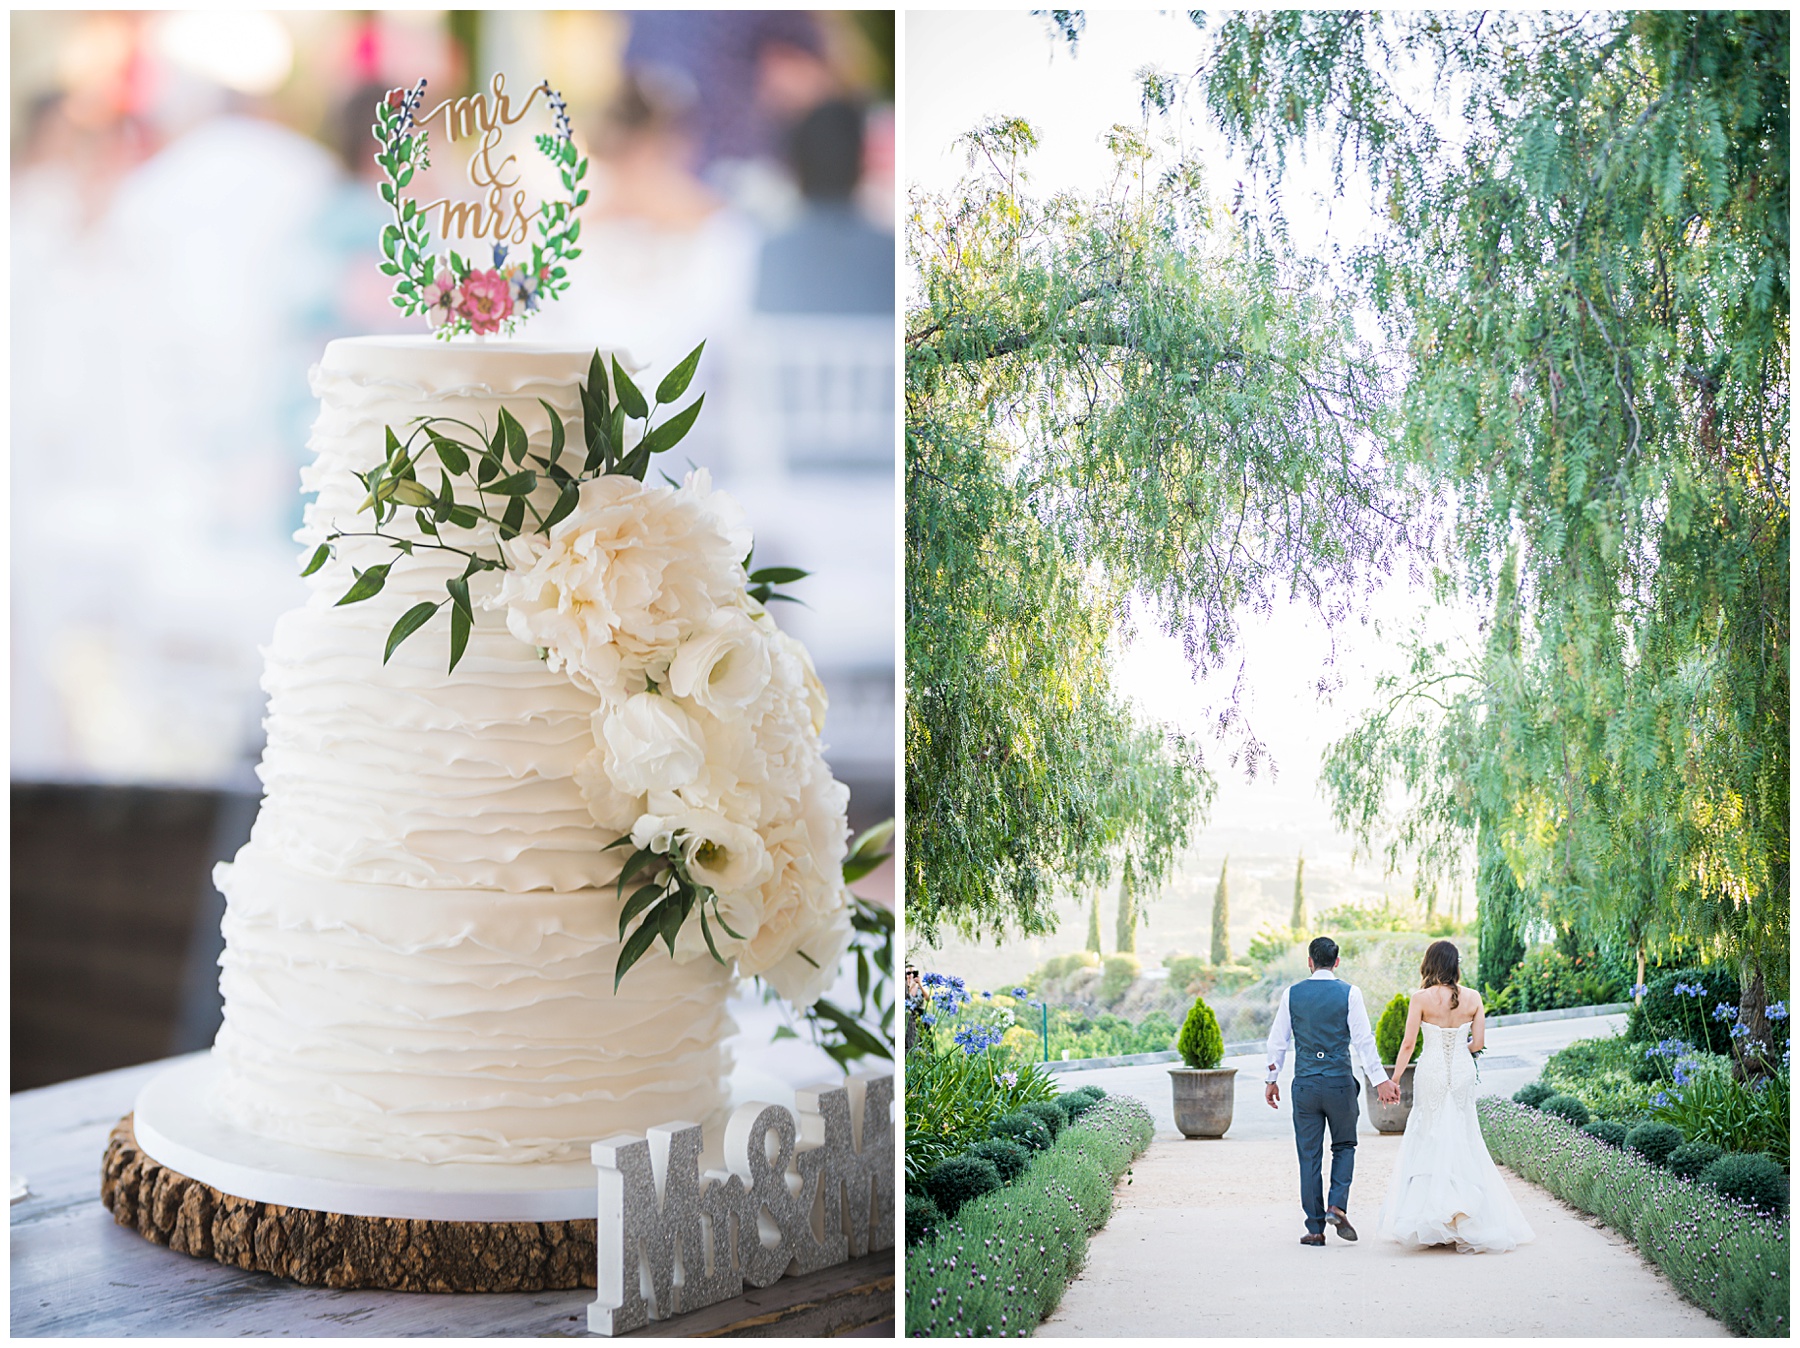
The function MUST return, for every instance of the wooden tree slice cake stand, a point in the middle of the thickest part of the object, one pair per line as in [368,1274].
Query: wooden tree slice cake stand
[182,1178]
[333,1249]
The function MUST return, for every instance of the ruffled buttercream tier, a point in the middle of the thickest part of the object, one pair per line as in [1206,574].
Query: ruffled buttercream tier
[422,932]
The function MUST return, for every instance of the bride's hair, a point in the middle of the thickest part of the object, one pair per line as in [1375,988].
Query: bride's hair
[1441,967]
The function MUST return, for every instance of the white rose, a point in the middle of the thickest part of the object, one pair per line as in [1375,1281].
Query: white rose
[612,589]
[610,807]
[651,745]
[807,974]
[724,665]
[725,857]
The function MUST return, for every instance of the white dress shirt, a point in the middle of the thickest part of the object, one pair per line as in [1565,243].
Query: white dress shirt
[1362,1038]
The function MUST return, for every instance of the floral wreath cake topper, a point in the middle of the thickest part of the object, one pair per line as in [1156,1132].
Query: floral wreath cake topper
[452,292]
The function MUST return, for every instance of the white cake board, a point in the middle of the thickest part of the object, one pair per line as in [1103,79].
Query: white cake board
[175,1128]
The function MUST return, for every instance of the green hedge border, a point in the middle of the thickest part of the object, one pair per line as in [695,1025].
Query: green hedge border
[1003,1263]
[1727,1259]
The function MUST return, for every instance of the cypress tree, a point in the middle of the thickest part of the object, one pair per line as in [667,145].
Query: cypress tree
[1221,942]
[1093,940]
[1298,920]
[1128,913]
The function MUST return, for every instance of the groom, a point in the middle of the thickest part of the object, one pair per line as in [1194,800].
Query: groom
[1323,1019]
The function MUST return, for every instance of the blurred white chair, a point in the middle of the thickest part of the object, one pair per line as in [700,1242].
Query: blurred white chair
[813,394]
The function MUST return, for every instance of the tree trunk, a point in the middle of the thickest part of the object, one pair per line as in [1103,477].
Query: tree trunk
[1751,1053]
[1128,913]
[1221,932]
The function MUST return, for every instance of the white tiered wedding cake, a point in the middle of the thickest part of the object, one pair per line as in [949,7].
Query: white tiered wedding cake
[423,933]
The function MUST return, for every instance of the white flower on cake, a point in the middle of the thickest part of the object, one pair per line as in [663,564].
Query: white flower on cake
[727,858]
[725,665]
[651,744]
[611,591]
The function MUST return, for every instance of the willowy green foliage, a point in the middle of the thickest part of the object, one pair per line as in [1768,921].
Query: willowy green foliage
[1584,268]
[1109,400]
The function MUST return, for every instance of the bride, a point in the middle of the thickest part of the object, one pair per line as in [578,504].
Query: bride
[1445,1189]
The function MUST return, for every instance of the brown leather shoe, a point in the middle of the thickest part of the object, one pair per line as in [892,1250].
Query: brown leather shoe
[1344,1229]
[1313,1240]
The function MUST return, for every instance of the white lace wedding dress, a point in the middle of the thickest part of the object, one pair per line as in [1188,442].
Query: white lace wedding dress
[1446,1189]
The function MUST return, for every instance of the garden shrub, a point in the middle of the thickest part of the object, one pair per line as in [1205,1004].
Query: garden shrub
[1533,1094]
[1605,1130]
[1201,1045]
[1118,973]
[1185,971]
[1690,1158]
[1074,1104]
[1655,1142]
[1025,1129]
[1010,1158]
[1750,1178]
[1050,1113]
[1713,1106]
[1567,1107]
[954,1182]
[1390,1030]
[1730,1262]
[954,1097]
[1156,1033]
[1663,1013]
[1002,1265]
[922,1217]
[1599,1073]
[1549,979]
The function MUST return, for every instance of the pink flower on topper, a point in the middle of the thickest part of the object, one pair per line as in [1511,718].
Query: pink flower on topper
[441,300]
[487,300]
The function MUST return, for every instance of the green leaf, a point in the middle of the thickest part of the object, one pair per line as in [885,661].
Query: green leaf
[410,621]
[557,434]
[671,915]
[486,470]
[629,397]
[869,850]
[368,585]
[784,575]
[565,505]
[706,931]
[641,898]
[519,484]
[464,517]
[596,385]
[782,1032]
[458,586]
[848,1026]
[670,433]
[515,437]
[514,518]
[396,452]
[633,950]
[460,623]
[676,381]
[633,864]
[321,555]
[452,455]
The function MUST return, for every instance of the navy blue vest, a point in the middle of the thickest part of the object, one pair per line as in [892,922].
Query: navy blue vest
[1320,1011]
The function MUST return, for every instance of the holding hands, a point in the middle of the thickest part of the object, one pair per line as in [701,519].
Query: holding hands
[1388,1092]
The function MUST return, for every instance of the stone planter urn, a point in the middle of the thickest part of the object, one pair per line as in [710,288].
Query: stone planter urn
[1203,1098]
[1392,1118]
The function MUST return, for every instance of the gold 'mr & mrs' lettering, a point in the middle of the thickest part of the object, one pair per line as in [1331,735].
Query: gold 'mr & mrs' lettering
[499,217]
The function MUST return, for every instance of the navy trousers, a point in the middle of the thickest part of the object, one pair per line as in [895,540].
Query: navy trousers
[1321,1102]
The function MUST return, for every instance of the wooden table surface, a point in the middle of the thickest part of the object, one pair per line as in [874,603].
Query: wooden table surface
[76,1272]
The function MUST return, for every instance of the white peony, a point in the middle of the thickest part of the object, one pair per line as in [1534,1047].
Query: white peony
[612,590]
[806,975]
[724,666]
[610,807]
[651,744]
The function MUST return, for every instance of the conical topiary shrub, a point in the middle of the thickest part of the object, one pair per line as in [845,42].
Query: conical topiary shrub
[1200,1043]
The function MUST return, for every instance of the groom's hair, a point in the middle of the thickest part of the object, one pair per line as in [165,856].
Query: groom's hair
[1324,952]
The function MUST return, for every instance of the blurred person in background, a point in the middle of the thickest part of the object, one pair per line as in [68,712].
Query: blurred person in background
[832,259]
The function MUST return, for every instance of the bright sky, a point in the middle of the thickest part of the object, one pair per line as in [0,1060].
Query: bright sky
[963,68]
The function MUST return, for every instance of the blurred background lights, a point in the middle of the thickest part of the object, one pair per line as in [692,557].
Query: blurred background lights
[244,50]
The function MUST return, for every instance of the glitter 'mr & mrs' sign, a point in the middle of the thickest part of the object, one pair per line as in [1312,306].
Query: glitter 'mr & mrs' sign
[797,1195]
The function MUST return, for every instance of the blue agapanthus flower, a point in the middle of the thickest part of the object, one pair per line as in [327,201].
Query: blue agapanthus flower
[928,1018]
[1740,1031]
[973,1039]
[1777,1011]
[1725,1011]
[987,996]
[1021,992]
[1660,1100]
[1690,990]
[1638,990]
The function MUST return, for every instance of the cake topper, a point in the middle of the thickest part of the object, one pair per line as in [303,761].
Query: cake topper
[452,291]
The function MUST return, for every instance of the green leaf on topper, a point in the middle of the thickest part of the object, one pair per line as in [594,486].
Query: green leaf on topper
[514,502]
